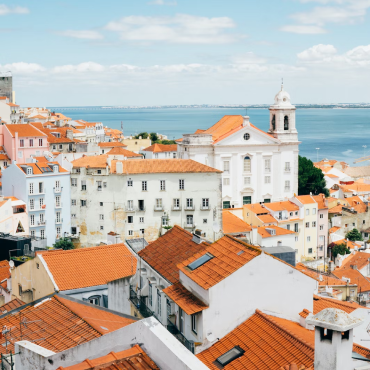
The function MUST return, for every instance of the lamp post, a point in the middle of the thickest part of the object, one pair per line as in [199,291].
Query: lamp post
[317,154]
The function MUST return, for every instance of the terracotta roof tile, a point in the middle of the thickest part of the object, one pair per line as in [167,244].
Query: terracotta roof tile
[359,259]
[336,209]
[122,151]
[4,270]
[58,324]
[84,267]
[326,280]
[94,161]
[170,249]
[225,261]
[306,199]
[320,200]
[233,224]
[320,303]
[256,208]
[282,206]
[267,219]
[111,144]
[130,359]
[363,284]
[11,305]
[24,130]
[304,313]
[349,243]
[334,229]
[4,157]
[185,299]
[160,148]
[38,168]
[262,230]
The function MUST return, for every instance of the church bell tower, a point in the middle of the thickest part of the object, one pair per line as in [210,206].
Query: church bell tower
[282,118]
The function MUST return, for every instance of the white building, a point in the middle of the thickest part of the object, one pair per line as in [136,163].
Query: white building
[257,166]
[160,151]
[13,216]
[135,197]
[45,188]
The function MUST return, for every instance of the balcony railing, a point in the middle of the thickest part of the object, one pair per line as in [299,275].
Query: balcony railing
[188,225]
[140,304]
[205,207]
[176,333]
[58,190]
[189,208]
[176,208]
[158,208]
[129,209]
[40,223]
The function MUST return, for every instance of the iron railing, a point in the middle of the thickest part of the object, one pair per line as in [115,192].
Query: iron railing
[140,304]
[172,328]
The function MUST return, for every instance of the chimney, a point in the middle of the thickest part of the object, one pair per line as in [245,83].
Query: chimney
[196,239]
[246,121]
[354,267]
[69,134]
[279,243]
[119,167]
[333,339]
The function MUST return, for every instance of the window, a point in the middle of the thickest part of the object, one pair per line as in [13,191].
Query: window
[141,205]
[54,147]
[73,182]
[73,215]
[58,231]
[309,250]
[189,203]
[129,182]
[141,220]
[200,261]
[99,183]
[181,184]
[29,171]
[41,187]
[321,227]
[287,185]
[247,200]
[226,204]
[130,232]
[313,211]
[32,204]
[101,217]
[246,136]
[58,219]
[150,294]
[40,142]
[159,303]
[204,220]
[57,185]
[83,203]
[168,307]
[308,238]
[31,142]
[73,202]
[99,172]
[142,231]
[164,221]
[60,147]
[21,143]
[130,219]
[288,227]
[205,203]
[247,164]
[307,212]
[226,181]
[158,203]
[363,221]
[94,300]
[273,123]
[174,155]
[267,179]
[307,225]
[176,203]
[41,202]
[322,216]
[57,201]
[104,184]
[194,323]
[162,185]
[226,166]
[130,205]
[287,166]
[189,220]
[33,233]
[296,239]
[83,185]
[42,234]
[230,356]
[267,165]
[247,180]
[101,204]
[155,155]
[296,213]
[286,123]
[267,200]
[32,220]
[321,238]
[144,186]
[313,223]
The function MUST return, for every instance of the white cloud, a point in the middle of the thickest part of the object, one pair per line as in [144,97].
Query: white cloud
[82,34]
[303,29]
[317,52]
[162,2]
[22,68]
[181,28]
[4,9]
[78,68]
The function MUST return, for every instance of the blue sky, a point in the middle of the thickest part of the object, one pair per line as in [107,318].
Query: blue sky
[185,52]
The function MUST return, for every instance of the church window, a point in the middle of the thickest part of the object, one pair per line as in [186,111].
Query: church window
[247,164]
[247,180]
[247,200]
[273,123]
[246,136]
[226,181]
[286,123]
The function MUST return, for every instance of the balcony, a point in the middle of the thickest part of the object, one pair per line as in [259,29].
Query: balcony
[58,205]
[158,208]
[189,225]
[287,170]
[139,303]
[41,223]
[129,209]
[140,208]
[176,208]
[58,190]
[100,188]
[179,336]
[189,208]
[60,221]
[205,208]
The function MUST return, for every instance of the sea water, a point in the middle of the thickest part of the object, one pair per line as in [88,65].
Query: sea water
[338,133]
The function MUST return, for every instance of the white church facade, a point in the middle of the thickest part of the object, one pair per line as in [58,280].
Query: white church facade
[257,166]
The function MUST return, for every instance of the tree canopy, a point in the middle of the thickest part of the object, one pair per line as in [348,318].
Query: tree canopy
[339,249]
[310,178]
[154,138]
[354,235]
[64,243]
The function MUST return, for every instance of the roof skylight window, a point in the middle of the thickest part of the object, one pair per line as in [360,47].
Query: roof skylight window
[229,356]
[240,252]
[200,261]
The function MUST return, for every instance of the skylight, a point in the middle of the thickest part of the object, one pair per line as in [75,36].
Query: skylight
[240,252]
[200,261]
[229,356]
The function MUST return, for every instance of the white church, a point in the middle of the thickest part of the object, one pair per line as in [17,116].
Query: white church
[257,166]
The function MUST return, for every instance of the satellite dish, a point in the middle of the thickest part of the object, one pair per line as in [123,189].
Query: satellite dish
[216,227]
[11,264]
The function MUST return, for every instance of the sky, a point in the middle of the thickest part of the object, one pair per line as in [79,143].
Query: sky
[164,52]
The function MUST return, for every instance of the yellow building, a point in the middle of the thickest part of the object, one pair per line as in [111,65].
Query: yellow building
[135,145]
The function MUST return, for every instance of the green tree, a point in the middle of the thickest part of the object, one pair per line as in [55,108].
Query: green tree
[144,135]
[167,142]
[353,235]
[338,249]
[310,178]
[64,243]
[153,137]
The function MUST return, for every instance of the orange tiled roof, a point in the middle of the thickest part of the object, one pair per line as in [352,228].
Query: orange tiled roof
[281,206]
[4,157]
[304,313]
[226,260]
[37,168]
[326,280]
[24,130]
[130,359]
[111,144]
[94,161]
[58,324]
[185,299]
[4,270]
[320,200]
[163,166]
[355,276]
[84,267]
[170,249]
[334,229]
[233,224]
[13,304]
[256,208]
[159,148]
[278,231]
[349,243]
[123,151]
[336,209]
[267,219]
[13,105]
[306,199]
[360,259]
[320,303]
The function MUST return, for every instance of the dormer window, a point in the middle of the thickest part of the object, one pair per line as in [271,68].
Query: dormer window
[230,356]
[29,170]
[55,168]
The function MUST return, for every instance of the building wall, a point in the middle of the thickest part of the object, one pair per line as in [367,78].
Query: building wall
[5,110]
[322,235]
[135,145]
[285,240]
[115,196]
[160,155]
[9,220]
[6,87]
[118,295]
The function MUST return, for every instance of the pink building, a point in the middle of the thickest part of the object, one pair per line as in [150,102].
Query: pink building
[21,141]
